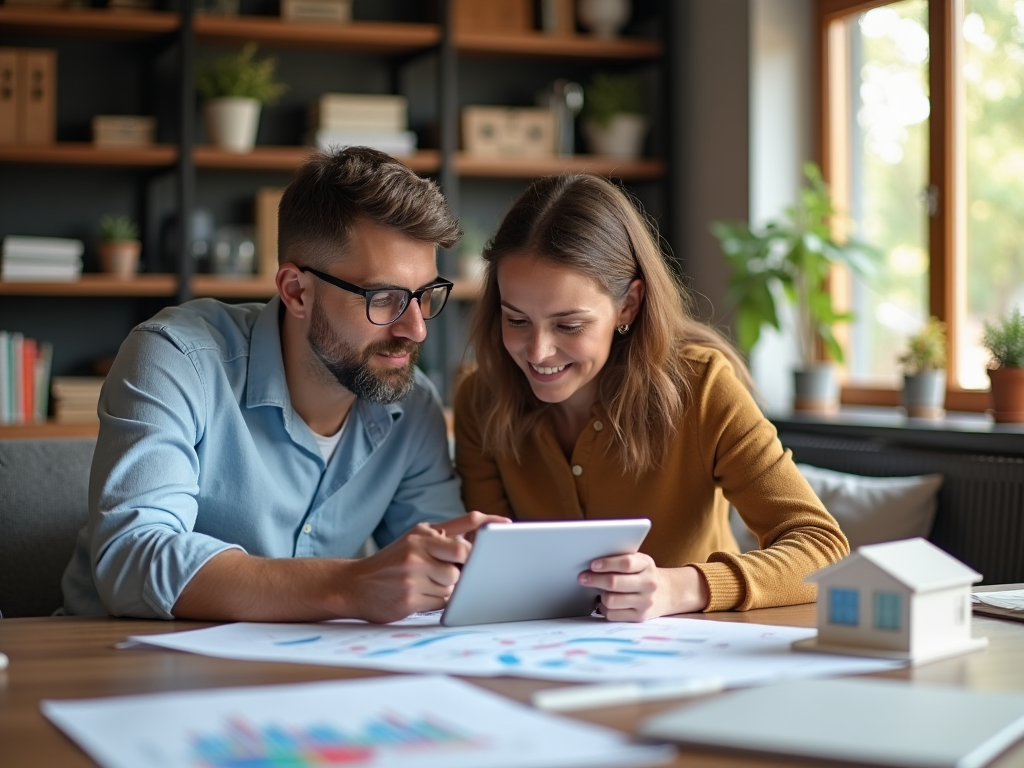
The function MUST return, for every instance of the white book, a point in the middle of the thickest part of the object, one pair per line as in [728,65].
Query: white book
[54,246]
[5,377]
[360,111]
[16,358]
[19,271]
[16,256]
[401,143]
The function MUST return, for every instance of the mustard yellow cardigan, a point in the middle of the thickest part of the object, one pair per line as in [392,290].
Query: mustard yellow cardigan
[724,449]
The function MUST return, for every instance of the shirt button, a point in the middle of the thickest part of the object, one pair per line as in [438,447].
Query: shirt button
[307,528]
[598,426]
[577,470]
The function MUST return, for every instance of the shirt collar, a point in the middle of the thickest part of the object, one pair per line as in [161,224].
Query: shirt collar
[266,384]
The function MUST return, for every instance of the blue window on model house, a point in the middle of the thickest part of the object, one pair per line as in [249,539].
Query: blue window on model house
[888,610]
[844,606]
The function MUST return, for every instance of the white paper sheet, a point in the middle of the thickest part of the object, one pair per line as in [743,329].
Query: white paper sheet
[1013,599]
[400,722]
[583,650]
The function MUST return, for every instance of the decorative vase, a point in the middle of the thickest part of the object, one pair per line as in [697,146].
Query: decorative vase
[1007,394]
[924,394]
[622,138]
[120,258]
[231,123]
[603,17]
[815,390]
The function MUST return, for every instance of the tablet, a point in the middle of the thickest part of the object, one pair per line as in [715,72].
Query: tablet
[524,571]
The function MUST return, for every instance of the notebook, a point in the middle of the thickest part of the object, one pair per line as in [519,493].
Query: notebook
[878,722]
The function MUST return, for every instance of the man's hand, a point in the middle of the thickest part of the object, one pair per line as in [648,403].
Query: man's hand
[633,588]
[416,573]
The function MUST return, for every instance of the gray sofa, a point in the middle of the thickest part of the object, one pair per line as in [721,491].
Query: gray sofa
[44,501]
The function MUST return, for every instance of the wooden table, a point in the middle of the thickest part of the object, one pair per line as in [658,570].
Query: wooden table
[74,657]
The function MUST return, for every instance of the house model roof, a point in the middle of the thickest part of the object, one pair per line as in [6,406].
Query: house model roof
[916,563]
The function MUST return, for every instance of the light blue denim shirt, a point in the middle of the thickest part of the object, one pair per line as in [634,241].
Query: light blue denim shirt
[200,451]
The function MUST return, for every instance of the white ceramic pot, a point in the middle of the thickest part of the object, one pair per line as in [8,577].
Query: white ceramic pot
[231,123]
[622,138]
[603,17]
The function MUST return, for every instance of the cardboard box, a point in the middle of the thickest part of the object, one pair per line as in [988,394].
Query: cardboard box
[492,15]
[268,199]
[9,107]
[558,17]
[508,132]
[335,11]
[37,95]
[123,131]
[385,113]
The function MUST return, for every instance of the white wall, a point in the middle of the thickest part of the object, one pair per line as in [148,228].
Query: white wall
[781,139]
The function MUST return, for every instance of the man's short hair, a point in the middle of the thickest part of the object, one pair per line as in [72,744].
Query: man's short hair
[332,191]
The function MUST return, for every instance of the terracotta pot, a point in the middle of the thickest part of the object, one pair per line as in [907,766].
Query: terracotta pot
[816,390]
[1007,394]
[120,258]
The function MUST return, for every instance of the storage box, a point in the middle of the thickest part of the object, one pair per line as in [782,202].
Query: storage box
[37,96]
[359,112]
[268,200]
[492,15]
[123,131]
[508,132]
[335,11]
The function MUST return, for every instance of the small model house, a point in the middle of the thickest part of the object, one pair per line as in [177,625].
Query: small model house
[898,600]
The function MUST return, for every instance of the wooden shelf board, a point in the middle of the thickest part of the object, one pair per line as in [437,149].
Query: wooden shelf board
[538,44]
[86,22]
[85,153]
[528,167]
[233,287]
[49,429]
[386,38]
[96,285]
[267,158]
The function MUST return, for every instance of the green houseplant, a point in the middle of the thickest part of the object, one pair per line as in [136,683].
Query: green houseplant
[234,88]
[1004,340]
[614,121]
[119,245]
[789,260]
[924,371]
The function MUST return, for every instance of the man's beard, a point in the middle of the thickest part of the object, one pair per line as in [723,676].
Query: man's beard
[351,367]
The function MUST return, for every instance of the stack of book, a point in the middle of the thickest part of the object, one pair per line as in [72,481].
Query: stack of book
[41,258]
[24,378]
[339,120]
[75,399]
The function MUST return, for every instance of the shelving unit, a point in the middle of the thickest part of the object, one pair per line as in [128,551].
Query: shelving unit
[398,52]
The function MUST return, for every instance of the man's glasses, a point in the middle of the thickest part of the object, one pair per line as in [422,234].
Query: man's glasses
[385,305]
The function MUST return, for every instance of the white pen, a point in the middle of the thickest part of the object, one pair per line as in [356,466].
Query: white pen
[612,694]
[3,661]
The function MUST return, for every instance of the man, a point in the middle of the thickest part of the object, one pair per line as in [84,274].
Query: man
[247,452]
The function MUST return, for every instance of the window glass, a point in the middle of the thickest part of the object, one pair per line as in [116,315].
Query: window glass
[888,610]
[992,268]
[888,179]
[843,606]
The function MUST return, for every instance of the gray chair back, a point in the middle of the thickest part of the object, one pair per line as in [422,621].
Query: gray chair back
[44,502]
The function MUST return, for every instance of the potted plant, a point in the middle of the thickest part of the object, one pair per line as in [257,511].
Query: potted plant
[235,87]
[924,371]
[119,246]
[1005,341]
[614,122]
[789,260]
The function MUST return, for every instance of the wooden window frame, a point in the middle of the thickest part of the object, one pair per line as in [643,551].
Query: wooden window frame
[943,169]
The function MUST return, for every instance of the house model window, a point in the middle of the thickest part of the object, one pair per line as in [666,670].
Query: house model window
[888,609]
[844,606]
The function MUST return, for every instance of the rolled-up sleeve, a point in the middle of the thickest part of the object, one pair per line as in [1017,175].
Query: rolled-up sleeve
[145,479]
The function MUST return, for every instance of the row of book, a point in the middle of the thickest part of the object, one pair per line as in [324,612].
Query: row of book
[41,258]
[380,121]
[24,378]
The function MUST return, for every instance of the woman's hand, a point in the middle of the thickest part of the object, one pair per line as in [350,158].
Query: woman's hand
[633,588]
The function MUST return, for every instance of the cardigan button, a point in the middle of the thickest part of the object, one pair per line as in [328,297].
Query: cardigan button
[577,470]
[598,426]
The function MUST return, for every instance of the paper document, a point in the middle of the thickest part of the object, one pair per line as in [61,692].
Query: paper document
[581,650]
[404,722]
[1012,600]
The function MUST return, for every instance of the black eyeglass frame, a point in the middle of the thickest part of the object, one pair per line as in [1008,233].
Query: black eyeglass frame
[368,294]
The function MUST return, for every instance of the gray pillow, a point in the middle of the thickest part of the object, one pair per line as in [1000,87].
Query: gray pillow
[870,510]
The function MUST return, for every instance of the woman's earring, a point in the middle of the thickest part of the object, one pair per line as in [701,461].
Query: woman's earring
[623,329]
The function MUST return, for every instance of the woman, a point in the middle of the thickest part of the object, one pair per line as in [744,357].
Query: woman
[597,395]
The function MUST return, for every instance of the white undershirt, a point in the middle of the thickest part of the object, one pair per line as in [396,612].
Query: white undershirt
[328,445]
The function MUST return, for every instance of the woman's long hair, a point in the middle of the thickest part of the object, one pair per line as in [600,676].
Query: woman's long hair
[588,224]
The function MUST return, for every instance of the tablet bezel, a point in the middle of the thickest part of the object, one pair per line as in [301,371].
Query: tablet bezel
[528,571]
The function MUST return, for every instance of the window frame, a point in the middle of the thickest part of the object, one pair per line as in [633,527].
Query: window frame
[945,176]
